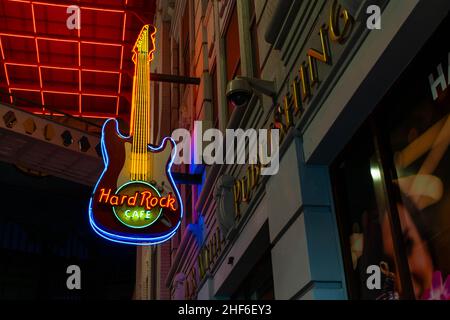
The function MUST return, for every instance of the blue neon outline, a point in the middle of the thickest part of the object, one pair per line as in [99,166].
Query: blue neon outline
[113,235]
[110,237]
[144,243]
[130,239]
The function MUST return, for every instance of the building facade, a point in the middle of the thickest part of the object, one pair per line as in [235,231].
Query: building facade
[363,137]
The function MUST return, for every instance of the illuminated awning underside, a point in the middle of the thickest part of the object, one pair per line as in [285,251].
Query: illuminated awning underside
[86,72]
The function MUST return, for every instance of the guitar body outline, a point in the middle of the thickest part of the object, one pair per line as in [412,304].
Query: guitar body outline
[115,149]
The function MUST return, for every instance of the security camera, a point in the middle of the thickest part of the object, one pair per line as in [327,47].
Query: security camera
[240,90]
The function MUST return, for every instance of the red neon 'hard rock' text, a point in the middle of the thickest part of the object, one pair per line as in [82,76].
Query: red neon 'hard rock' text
[143,199]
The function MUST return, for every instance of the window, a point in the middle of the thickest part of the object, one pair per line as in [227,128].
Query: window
[233,51]
[188,205]
[363,205]
[215,96]
[255,44]
[419,139]
[186,54]
[187,196]
[404,148]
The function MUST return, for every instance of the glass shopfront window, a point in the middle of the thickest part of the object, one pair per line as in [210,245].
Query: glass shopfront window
[397,168]
[362,201]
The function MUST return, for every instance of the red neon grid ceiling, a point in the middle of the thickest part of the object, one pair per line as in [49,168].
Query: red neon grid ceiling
[82,72]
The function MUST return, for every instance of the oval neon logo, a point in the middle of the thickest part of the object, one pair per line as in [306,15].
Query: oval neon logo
[138,204]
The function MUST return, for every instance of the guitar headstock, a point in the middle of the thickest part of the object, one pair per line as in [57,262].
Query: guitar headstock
[145,43]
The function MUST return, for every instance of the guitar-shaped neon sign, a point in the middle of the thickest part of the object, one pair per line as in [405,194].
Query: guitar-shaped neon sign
[136,200]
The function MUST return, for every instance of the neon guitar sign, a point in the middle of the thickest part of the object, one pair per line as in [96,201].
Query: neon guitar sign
[136,200]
